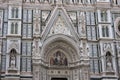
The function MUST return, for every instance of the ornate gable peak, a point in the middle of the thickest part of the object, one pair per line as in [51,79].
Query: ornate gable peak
[60,27]
[59,23]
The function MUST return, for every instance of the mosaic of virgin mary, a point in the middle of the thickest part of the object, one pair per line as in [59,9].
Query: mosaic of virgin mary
[59,59]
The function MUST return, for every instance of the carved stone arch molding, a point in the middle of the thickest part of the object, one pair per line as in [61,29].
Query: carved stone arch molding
[15,46]
[60,43]
[64,66]
[108,50]
[117,25]
[60,46]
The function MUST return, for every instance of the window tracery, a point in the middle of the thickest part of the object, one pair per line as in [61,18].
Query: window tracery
[14,28]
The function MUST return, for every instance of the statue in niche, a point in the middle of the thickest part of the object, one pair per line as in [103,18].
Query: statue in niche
[109,61]
[13,58]
[58,59]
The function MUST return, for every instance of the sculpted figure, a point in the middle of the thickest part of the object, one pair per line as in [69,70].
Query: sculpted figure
[13,58]
[109,61]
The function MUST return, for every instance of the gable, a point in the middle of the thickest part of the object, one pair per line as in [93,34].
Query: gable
[60,27]
[59,23]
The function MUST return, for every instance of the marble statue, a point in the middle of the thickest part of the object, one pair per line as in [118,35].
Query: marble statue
[12,59]
[108,61]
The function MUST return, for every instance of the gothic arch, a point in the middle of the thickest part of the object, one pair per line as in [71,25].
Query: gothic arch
[13,50]
[13,45]
[108,50]
[61,43]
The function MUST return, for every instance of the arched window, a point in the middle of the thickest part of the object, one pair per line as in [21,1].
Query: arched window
[14,12]
[105,31]
[14,28]
[103,15]
[12,61]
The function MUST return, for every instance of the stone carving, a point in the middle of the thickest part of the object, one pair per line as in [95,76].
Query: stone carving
[13,58]
[107,46]
[81,51]
[82,24]
[60,28]
[72,16]
[45,16]
[84,49]
[36,21]
[35,48]
[36,72]
[60,44]
[14,45]
[36,75]
[58,59]
[109,61]
[36,44]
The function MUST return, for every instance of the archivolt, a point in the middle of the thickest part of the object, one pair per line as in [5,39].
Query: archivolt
[63,43]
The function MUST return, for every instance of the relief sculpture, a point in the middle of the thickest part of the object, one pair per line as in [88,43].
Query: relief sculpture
[58,59]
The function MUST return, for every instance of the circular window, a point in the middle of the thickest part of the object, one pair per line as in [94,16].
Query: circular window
[119,26]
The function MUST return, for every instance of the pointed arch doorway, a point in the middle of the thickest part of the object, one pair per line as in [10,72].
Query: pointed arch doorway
[59,79]
[59,55]
[60,60]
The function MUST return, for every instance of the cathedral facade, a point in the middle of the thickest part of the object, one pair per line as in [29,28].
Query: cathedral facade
[60,39]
